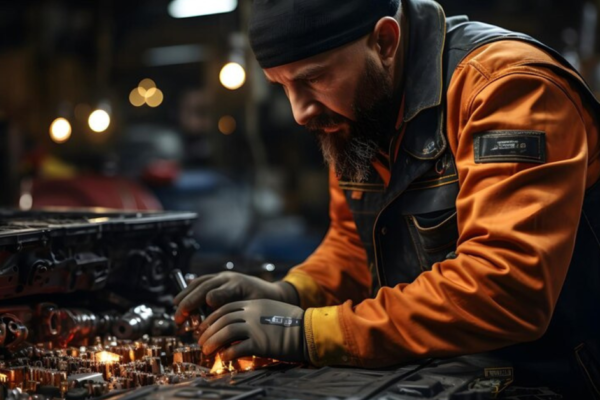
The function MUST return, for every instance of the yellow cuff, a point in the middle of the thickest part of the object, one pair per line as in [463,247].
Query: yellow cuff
[309,291]
[324,337]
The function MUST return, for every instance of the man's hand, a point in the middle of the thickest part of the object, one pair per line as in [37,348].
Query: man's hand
[217,290]
[264,328]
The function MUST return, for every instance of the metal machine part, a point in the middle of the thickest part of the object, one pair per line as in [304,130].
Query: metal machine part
[134,323]
[47,322]
[46,252]
[80,258]
[143,320]
[110,364]
[12,331]
[67,325]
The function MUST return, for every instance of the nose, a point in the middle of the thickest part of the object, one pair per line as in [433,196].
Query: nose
[304,107]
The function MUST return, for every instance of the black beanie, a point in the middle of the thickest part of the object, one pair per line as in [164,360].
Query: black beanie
[284,31]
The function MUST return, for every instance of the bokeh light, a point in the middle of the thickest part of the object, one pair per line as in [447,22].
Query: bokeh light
[232,76]
[147,84]
[155,98]
[26,202]
[99,121]
[150,92]
[136,99]
[227,125]
[60,130]
[146,93]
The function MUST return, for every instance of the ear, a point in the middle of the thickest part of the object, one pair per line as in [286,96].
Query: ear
[386,39]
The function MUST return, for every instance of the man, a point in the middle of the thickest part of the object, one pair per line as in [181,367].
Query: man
[464,160]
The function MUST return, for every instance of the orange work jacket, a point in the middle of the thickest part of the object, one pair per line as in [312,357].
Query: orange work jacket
[517,221]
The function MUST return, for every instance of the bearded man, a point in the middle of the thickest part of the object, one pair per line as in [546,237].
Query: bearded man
[464,163]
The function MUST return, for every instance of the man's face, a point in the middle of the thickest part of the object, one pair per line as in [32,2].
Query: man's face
[344,96]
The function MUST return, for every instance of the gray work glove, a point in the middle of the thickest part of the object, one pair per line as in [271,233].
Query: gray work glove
[263,328]
[216,290]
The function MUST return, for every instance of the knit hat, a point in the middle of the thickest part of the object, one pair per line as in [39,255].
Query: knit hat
[284,31]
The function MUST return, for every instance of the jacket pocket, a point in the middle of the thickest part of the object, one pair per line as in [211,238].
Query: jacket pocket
[434,236]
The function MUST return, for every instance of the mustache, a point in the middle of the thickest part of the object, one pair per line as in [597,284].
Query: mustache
[325,121]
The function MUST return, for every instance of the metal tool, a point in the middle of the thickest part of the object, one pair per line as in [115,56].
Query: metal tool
[181,284]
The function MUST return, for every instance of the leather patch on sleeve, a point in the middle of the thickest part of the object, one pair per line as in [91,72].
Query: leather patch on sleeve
[510,147]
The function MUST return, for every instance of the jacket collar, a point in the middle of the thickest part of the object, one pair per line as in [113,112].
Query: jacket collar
[424,71]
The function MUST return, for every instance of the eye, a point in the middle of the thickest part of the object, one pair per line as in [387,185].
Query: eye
[314,80]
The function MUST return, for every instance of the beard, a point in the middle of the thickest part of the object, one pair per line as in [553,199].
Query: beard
[350,153]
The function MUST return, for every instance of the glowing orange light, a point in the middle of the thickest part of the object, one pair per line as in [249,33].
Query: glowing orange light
[106,356]
[219,366]
[241,364]
[227,125]
[246,363]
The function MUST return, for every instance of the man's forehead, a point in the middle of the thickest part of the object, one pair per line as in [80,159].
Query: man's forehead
[292,72]
[311,66]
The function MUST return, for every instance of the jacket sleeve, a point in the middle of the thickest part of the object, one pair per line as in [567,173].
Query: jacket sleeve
[517,225]
[337,270]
